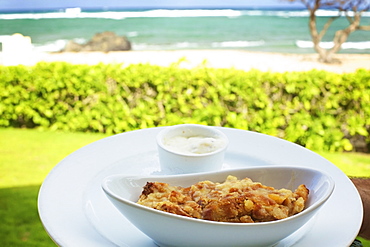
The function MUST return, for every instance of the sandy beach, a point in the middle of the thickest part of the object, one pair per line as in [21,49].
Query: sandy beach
[243,60]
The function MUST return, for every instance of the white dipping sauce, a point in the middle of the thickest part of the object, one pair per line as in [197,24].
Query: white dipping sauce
[194,144]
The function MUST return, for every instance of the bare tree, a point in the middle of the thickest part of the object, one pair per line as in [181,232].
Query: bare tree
[351,9]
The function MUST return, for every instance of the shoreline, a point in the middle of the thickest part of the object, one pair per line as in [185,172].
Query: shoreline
[238,59]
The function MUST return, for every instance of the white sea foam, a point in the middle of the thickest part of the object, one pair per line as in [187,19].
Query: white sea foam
[172,46]
[125,14]
[132,34]
[50,46]
[56,45]
[299,13]
[193,45]
[118,15]
[332,13]
[236,44]
[327,45]
[60,44]
[73,10]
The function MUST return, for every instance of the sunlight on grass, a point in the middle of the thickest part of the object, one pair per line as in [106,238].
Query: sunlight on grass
[27,156]
[352,164]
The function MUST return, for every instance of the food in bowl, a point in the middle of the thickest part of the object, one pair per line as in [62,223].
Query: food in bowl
[191,148]
[234,200]
[167,229]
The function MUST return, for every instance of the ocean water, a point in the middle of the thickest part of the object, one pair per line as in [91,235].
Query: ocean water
[163,29]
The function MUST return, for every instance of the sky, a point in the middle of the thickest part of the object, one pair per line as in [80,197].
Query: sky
[13,5]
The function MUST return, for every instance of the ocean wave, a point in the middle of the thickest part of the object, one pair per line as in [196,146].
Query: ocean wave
[125,14]
[194,45]
[298,13]
[54,46]
[50,46]
[132,34]
[362,45]
[173,46]
[237,44]
[58,45]
[158,13]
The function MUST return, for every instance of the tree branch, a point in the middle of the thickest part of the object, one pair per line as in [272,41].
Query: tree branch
[364,28]
[327,25]
[343,6]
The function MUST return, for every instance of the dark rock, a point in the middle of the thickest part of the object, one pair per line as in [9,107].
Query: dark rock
[72,46]
[105,42]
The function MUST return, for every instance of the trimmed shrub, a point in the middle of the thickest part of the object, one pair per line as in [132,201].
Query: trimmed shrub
[316,109]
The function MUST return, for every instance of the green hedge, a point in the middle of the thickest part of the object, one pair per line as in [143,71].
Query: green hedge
[316,109]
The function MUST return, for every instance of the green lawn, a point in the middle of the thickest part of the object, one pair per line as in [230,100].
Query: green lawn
[27,156]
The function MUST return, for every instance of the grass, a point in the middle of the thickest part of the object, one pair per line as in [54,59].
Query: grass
[27,156]
[352,164]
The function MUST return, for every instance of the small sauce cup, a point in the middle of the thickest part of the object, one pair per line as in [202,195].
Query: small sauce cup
[191,148]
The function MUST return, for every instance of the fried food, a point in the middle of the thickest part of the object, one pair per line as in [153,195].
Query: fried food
[240,201]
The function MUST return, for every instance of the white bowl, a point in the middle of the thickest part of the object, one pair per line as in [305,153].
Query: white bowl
[168,229]
[177,155]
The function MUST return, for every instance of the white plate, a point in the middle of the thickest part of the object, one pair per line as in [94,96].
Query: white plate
[76,212]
